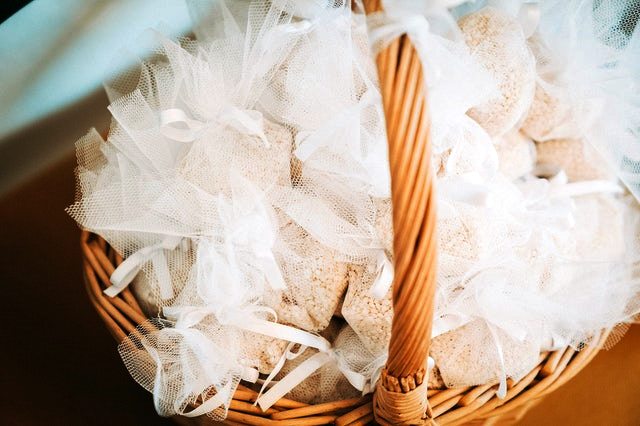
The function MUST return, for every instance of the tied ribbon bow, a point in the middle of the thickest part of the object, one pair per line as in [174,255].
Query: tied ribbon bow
[529,17]
[402,17]
[394,22]
[250,231]
[243,318]
[176,125]
[246,318]
[555,193]
[419,20]
[554,186]
[130,267]
[384,276]
[209,357]
[561,187]
[361,382]
[308,142]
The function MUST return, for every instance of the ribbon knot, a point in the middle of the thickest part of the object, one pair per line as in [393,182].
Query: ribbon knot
[241,220]
[130,267]
[209,362]
[358,379]
[394,22]
[307,142]
[384,276]
[246,318]
[175,123]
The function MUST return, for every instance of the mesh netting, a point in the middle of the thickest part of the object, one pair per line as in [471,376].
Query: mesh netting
[245,183]
[226,193]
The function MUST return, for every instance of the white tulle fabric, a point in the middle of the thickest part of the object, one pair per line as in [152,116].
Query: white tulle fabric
[519,265]
[588,56]
[237,203]
[245,183]
[346,373]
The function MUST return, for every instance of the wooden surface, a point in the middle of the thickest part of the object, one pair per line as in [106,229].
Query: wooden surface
[60,366]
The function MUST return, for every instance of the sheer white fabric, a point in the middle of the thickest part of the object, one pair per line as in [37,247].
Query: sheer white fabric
[245,182]
[518,264]
[235,201]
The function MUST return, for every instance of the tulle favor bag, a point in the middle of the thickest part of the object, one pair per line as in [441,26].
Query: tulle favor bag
[334,212]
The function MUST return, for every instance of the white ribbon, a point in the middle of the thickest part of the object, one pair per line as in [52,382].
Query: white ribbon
[130,267]
[186,132]
[278,331]
[362,382]
[431,363]
[410,17]
[393,22]
[288,355]
[210,358]
[529,17]
[384,277]
[246,318]
[489,270]
[467,189]
[576,189]
[187,317]
[308,142]
[306,369]
[560,187]
[554,193]
[251,233]
[176,125]
[502,387]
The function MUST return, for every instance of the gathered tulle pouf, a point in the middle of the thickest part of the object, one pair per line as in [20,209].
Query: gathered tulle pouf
[244,188]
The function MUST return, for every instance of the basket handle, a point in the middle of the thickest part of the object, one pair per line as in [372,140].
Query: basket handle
[400,398]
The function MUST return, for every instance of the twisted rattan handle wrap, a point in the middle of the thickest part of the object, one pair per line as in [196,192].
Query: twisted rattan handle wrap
[414,223]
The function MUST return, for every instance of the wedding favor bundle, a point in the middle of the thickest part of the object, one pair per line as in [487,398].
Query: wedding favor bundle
[245,183]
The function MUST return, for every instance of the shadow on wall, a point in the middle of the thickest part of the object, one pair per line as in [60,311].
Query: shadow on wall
[49,140]
[54,56]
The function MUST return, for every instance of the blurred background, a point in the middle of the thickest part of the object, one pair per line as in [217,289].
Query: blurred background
[58,363]
[54,56]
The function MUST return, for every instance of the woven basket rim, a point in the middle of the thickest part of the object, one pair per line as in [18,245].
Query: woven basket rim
[400,392]
[452,406]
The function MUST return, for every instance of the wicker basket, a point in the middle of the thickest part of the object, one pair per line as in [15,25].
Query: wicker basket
[401,393]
